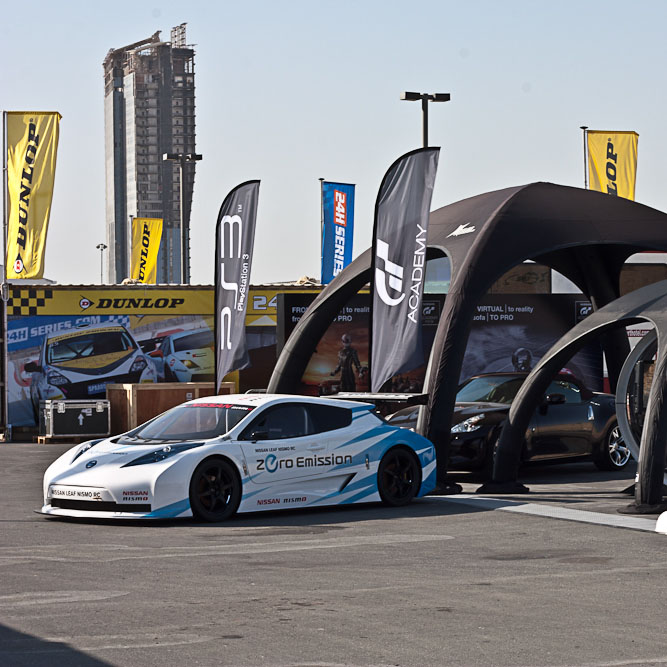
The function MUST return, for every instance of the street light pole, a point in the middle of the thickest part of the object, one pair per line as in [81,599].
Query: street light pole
[425,99]
[101,247]
[182,158]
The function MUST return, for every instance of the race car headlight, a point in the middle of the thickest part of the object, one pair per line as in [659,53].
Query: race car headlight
[138,365]
[56,379]
[162,454]
[85,447]
[188,363]
[471,424]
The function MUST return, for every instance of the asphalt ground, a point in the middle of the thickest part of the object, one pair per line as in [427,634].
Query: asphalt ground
[444,581]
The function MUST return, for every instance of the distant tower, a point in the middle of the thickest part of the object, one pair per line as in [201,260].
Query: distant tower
[149,109]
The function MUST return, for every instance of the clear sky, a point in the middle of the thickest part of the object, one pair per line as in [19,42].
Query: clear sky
[291,91]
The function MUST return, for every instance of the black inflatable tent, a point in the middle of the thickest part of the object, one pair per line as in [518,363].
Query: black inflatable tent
[585,235]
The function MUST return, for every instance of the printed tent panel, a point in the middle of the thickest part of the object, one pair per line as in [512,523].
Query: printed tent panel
[585,235]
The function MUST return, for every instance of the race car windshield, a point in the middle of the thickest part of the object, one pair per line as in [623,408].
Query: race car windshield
[194,341]
[89,344]
[193,422]
[497,389]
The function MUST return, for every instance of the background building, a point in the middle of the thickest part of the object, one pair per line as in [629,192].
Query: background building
[149,110]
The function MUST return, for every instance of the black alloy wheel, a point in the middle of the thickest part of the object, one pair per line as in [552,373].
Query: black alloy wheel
[215,490]
[614,454]
[399,477]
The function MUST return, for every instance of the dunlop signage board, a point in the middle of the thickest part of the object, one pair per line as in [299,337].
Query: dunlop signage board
[77,300]
[32,145]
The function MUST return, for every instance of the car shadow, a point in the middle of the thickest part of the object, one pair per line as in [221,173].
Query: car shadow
[316,516]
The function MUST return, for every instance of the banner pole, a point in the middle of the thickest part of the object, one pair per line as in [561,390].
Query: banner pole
[583,129]
[4,291]
[321,228]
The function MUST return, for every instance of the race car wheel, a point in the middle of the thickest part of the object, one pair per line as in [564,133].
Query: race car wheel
[613,454]
[399,477]
[215,490]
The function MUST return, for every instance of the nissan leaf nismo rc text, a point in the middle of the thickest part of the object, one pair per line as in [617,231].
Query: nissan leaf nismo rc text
[214,456]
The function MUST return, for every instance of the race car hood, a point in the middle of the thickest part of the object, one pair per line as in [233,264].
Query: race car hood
[81,369]
[94,466]
[463,411]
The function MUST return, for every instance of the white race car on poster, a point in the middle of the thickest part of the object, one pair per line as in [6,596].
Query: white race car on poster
[214,456]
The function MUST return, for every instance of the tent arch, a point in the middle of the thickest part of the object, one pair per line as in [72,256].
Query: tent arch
[648,304]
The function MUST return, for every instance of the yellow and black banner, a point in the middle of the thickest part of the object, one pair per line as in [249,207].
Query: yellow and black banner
[612,162]
[32,145]
[146,235]
[130,300]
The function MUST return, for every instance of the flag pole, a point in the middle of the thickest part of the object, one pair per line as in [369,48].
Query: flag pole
[321,226]
[4,291]
[583,129]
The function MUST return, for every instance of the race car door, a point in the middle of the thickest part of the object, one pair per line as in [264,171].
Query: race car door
[281,444]
[562,429]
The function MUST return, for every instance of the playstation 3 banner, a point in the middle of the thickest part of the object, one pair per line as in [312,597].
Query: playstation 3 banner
[234,241]
[399,264]
[337,228]
[32,145]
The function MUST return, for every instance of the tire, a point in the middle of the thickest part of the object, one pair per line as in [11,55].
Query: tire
[613,453]
[399,477]
[215,490]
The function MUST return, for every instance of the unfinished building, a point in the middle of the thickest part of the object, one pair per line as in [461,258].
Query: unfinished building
[149,110]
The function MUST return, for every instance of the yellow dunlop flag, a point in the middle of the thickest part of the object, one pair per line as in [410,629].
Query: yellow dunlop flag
[32,144]
[612,162]
[146,235]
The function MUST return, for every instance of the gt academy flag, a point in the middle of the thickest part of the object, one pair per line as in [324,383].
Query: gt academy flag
[399,264]
[146,235]
[337,228]
[32,145]
[612,162]
[234,240]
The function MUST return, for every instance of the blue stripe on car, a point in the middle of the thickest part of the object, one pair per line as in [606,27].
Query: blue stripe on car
[170,511]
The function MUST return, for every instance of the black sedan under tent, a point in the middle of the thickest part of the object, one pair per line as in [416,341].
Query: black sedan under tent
[585,235]
[648,304]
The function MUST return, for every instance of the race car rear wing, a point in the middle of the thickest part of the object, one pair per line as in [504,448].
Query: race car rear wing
[368,397]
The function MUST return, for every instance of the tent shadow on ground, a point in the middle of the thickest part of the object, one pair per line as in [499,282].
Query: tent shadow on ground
[20,649]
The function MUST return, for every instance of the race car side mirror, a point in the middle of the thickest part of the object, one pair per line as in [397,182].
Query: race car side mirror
[555,399]
[259,435]
[32,367]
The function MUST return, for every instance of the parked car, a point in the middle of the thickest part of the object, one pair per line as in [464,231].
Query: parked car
[189,356]
[571,423]
[80,362]
[217,455]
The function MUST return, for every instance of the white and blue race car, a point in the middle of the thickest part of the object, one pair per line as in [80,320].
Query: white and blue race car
[214,456]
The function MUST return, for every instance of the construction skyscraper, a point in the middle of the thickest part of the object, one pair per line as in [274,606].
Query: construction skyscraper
[149,110]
